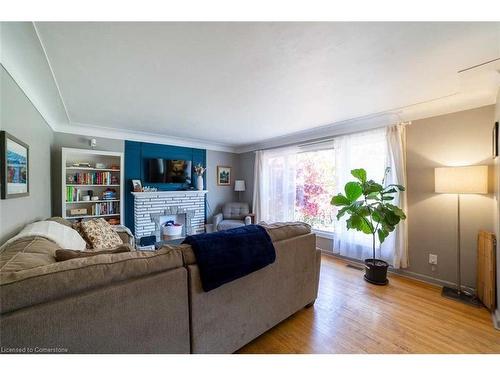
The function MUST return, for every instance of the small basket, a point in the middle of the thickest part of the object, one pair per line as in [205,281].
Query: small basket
[172,230]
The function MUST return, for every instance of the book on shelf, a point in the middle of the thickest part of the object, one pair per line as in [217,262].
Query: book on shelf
[107,208]
[73,194]
[92,178]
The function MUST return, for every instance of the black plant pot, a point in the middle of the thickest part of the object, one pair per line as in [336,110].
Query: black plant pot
[376,272]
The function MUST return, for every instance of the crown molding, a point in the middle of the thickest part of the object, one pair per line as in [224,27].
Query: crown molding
[140,136]
[452,103]
[56,83]
[335,129]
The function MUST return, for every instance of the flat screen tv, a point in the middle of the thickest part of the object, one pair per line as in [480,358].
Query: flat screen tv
[169,171]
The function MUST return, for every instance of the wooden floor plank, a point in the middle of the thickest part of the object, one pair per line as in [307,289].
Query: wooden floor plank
[406,316]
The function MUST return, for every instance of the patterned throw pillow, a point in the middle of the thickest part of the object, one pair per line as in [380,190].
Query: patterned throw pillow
[100,234]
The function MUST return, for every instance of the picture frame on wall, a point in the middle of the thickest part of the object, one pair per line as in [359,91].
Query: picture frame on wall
[14,165]
[136,185]
[223,175]
[495,140]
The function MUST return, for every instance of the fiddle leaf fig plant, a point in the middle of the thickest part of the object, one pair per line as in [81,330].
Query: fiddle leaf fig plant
[367,204]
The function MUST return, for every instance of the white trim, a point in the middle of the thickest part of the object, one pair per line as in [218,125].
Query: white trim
[331,130]
[28,96]
[91,152]
[168,192]
[404,273]
[140,136]
[411,112]
[495,315]
[324,234]
[51,71]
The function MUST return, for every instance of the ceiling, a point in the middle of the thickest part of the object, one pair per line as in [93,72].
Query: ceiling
[241,84]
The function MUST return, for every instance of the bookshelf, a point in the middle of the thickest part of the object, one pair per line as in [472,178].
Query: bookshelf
[92,173]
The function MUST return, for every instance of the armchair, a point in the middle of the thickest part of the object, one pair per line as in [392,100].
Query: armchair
[235,214]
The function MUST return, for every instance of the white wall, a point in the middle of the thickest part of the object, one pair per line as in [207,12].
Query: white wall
[20,118]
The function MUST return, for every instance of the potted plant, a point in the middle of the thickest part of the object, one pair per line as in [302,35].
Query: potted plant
[368,206]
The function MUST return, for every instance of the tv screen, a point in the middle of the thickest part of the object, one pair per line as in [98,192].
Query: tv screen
[169,171]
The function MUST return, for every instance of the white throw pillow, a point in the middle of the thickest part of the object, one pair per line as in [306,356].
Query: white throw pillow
[62,235]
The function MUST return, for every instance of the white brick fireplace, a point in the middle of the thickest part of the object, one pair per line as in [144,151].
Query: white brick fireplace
[149,206]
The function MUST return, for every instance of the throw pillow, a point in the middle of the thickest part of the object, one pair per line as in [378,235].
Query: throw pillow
[78,227]
[63,254]
[100,234]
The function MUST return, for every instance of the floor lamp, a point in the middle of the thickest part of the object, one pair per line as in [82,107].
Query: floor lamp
[239,186]
[461,180]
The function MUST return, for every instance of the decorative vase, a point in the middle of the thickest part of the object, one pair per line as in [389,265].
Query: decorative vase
[199,184]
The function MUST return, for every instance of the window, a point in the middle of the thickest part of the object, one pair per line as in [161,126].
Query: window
[315,186]
[296,183]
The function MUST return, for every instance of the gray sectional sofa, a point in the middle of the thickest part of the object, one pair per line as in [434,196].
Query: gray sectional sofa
[148,302]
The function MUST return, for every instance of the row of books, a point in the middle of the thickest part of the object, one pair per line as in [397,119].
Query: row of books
[74,194]
[107,208]
[92,178]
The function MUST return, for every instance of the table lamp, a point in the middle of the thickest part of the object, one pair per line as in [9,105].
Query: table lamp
[461,180]
[239,186]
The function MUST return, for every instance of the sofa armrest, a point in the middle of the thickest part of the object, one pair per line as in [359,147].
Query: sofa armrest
[125,234]
[217,220]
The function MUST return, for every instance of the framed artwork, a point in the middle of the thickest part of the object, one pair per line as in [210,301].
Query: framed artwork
[495,140]
[223,176]
[14,163]
[137,185]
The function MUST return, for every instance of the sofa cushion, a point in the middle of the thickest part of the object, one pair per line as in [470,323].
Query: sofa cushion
[26,253]
[100,234]
[63,254]
[61,279]
[235,210]
[283,231]
[230,224]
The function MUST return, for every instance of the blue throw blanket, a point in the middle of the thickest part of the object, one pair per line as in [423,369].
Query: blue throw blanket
[230,254]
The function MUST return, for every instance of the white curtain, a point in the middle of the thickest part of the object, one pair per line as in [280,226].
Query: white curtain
[274,184]
[396,152]
[373,150]
[275,187]
[365,150]
[257,186]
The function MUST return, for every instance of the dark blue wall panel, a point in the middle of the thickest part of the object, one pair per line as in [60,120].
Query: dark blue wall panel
[136,159]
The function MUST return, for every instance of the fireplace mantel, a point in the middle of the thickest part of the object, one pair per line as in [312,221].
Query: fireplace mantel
[150,204]
[169,192]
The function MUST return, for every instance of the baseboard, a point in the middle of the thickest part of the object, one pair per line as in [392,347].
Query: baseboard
[495,315]
[404,273]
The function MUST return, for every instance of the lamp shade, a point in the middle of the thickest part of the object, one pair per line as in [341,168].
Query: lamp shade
[239,185]
[461,180]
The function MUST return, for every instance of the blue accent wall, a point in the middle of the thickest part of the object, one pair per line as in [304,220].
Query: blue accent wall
[136,166]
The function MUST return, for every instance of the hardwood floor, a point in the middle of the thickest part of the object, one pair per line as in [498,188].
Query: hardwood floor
[352,316]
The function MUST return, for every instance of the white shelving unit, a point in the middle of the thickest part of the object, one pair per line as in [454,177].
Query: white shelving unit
[69,157]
